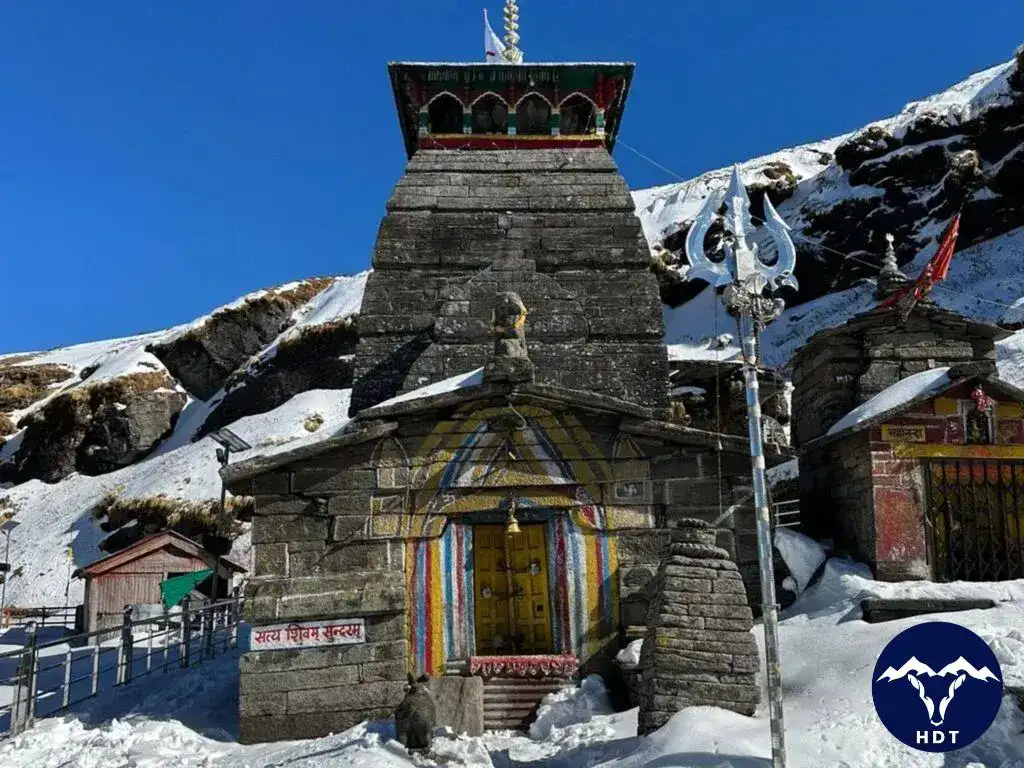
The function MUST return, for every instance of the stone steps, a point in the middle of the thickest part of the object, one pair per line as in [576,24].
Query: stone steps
[511,704]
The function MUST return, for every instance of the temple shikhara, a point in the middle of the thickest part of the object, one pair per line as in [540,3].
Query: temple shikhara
[515,482]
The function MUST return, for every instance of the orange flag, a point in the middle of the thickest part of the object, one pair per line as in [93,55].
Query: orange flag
[936,270]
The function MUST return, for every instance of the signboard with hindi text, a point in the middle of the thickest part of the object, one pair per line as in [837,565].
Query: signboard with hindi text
[308,634]
[898,433]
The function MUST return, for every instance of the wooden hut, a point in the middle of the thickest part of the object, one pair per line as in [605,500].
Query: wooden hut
[133,576]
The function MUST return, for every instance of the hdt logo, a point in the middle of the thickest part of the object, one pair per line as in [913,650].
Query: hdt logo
[937,687]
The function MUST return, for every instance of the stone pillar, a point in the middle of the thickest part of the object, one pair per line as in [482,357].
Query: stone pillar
[698,650]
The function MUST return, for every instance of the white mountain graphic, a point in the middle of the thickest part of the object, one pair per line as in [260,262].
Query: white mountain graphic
[963,665]
[913,666]
[960,669]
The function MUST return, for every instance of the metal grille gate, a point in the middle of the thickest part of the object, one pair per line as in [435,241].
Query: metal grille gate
[976,519]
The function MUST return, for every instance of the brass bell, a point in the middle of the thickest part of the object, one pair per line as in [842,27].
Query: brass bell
[511,524]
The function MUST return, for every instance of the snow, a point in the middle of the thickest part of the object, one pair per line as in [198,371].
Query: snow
[54,517]
[803,556]
[913,387]
[571,706]
[80,356]
[963,101]
[983,282]
[692,330]
[460,381]
[110,359]
[188,719]
[199,322]
[665,210]
[630,655]
[788,470]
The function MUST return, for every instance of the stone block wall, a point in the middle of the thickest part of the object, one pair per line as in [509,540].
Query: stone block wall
[841,368]
[837,495]
[900,551]
[306,694]
[310,563]
[557,227]
[689,487]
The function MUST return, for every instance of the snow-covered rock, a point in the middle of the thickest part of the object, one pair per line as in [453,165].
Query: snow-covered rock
[571,707]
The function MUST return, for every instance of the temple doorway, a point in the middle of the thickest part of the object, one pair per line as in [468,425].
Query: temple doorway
[513,603]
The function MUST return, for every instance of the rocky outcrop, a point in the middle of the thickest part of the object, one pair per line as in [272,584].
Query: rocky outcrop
[98,428]
[202,358]
[874,141]
[714,396]
[318,357]
[698,649]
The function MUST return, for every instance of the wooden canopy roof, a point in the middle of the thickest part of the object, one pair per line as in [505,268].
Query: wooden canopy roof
[153,543]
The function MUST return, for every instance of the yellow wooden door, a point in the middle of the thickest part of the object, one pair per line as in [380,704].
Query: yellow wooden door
[532,608]
[493,628]
[521,624]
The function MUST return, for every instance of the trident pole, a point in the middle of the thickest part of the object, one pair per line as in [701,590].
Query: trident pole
[746,279]
[765,556]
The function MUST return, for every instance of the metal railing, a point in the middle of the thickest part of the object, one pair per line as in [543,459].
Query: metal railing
[43,616]
[44,678]
[786,514]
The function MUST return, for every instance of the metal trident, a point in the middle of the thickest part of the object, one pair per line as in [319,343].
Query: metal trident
[741,264]
[746,276]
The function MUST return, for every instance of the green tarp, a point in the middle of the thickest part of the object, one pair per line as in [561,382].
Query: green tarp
[174,589]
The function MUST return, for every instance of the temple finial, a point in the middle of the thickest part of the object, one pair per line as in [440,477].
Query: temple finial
[512,52]
[890,278]
[889,265]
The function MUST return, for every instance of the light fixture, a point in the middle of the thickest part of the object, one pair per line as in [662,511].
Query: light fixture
[511,524]
[230,440]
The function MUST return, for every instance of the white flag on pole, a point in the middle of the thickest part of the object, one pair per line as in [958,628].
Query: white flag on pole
[494,49]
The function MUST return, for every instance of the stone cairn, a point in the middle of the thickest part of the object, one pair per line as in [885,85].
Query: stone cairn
[698,649]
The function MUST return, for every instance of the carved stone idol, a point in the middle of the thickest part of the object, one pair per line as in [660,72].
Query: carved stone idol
[510,361]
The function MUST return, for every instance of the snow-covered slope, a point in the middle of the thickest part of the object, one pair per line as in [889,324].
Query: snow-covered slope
[189,719]
[58,518]
[54,517]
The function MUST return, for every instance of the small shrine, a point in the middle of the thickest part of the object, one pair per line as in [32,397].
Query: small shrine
[926,479]
[911,446]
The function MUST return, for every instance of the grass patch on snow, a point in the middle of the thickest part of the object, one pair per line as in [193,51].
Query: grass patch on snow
[22,385]
[131,518]
[284,300]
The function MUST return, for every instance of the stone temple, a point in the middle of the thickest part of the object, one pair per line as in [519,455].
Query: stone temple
[496,513]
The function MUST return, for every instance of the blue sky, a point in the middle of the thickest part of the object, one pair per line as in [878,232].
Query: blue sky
[162,158]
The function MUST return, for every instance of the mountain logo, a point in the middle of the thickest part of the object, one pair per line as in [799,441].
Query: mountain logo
[937,687]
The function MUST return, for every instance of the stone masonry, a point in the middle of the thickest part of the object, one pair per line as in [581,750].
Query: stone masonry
[698,650]
[555,226]
[840,368]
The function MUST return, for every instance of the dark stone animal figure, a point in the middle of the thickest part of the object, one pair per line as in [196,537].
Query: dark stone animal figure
[416,716]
